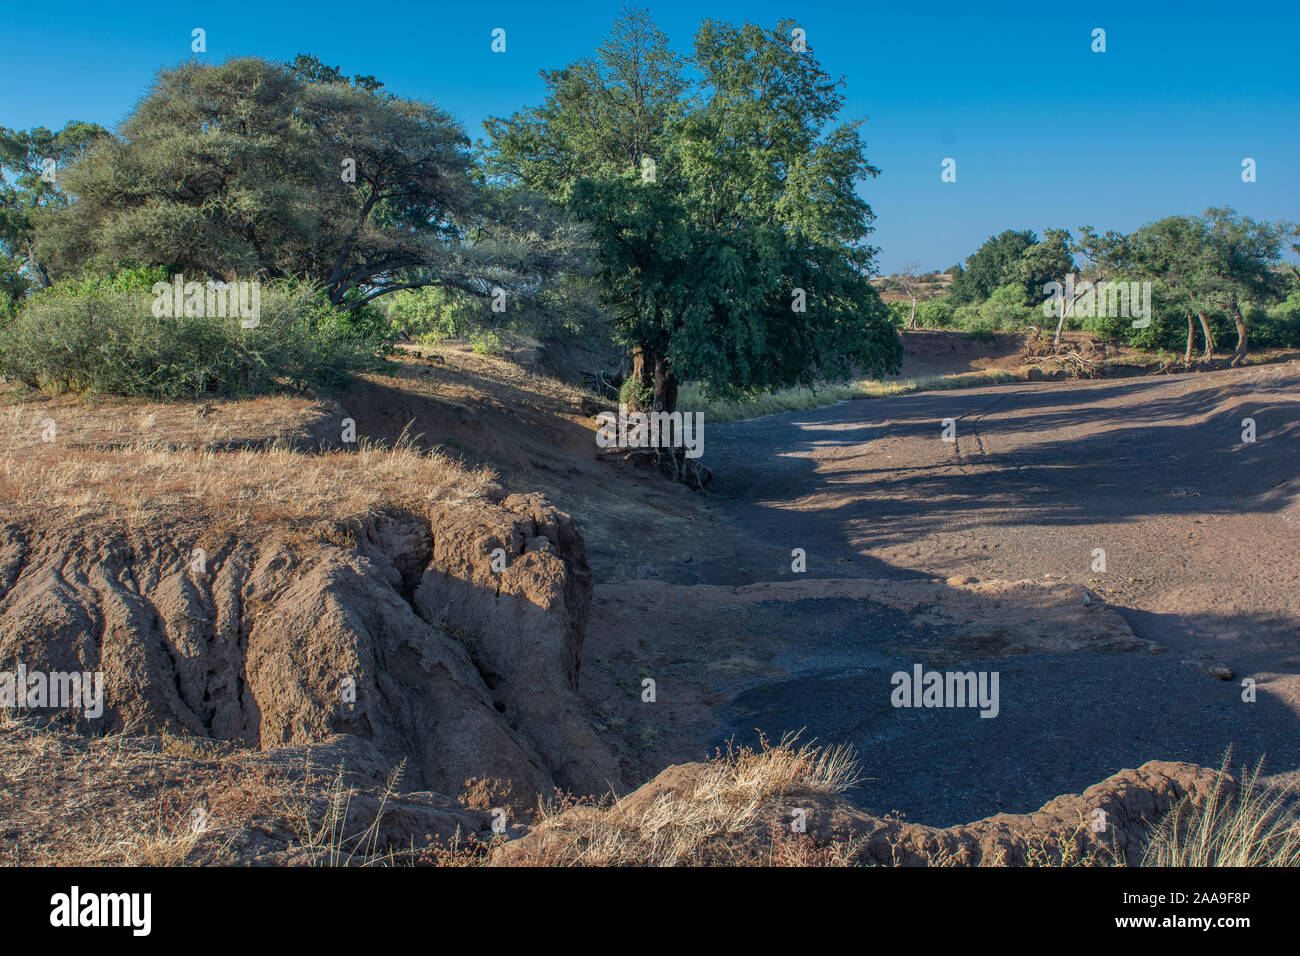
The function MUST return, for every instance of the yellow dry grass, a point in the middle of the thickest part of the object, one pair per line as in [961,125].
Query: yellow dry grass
[142,482]
[1259,825]
[723,816]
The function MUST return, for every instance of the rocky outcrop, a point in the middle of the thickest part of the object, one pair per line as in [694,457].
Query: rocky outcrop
[406,641]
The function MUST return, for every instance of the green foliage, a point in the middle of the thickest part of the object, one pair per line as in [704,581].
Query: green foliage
[935,313]
[993,265]
[716,212]
[486,343]
[983,331]
[95,282]
[251,169]
[32,164]
[636,394]
[1012,258]
[900,312]
[13,286]
[8,306]
[310,68]
[1006,310]
[431,313]
[1277,326]
[1217,265]
[1049,260]
[109,341]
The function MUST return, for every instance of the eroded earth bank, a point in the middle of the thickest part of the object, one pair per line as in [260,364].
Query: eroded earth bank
[319,650]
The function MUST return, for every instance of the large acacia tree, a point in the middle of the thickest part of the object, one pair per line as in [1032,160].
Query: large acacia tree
[729,229]
[252,168]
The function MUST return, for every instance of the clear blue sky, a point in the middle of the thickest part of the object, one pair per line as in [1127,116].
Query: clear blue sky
[1044,131]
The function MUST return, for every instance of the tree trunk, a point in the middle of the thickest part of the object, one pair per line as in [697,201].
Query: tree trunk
[1209,339]
[911,323]
[1239,352]
[642,369]
[665,386]
[38,269]
[1191,334]
[650,367]
[1056,339]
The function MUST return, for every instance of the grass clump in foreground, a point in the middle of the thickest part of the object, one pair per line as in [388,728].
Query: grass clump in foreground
[722,815]
[692,396]
[1258,825]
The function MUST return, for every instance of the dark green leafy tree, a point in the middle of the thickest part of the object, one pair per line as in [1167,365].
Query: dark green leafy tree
[1173,254]
[730,235]
[1200,266]
[992,266]
[311,69]
[1049,260]
[1240,265]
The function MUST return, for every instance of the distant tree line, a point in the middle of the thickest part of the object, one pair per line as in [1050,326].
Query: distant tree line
[1212,276]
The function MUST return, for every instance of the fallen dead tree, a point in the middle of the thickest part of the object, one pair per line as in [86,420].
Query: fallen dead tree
[1075,360]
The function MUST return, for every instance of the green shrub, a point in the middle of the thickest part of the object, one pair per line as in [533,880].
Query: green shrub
[1278,326]
[8,306]
[93,283]
[111,342]
[1006,310]
[934,314]
[432,313]
[636,394]
[983,331]
[486,343]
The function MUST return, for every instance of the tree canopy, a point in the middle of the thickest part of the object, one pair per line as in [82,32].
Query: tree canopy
[251,168]
[994,264]
[725,213]
[1199,265]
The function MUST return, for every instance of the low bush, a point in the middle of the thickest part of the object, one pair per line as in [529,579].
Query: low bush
[98,339]
[934,314]
[432,314]
[486,343]
[982,331]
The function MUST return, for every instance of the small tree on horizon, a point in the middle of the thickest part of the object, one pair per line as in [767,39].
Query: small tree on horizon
[908,283]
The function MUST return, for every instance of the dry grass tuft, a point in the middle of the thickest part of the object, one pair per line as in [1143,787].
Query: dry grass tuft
[1258,826]
[154,843]
[728,814]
